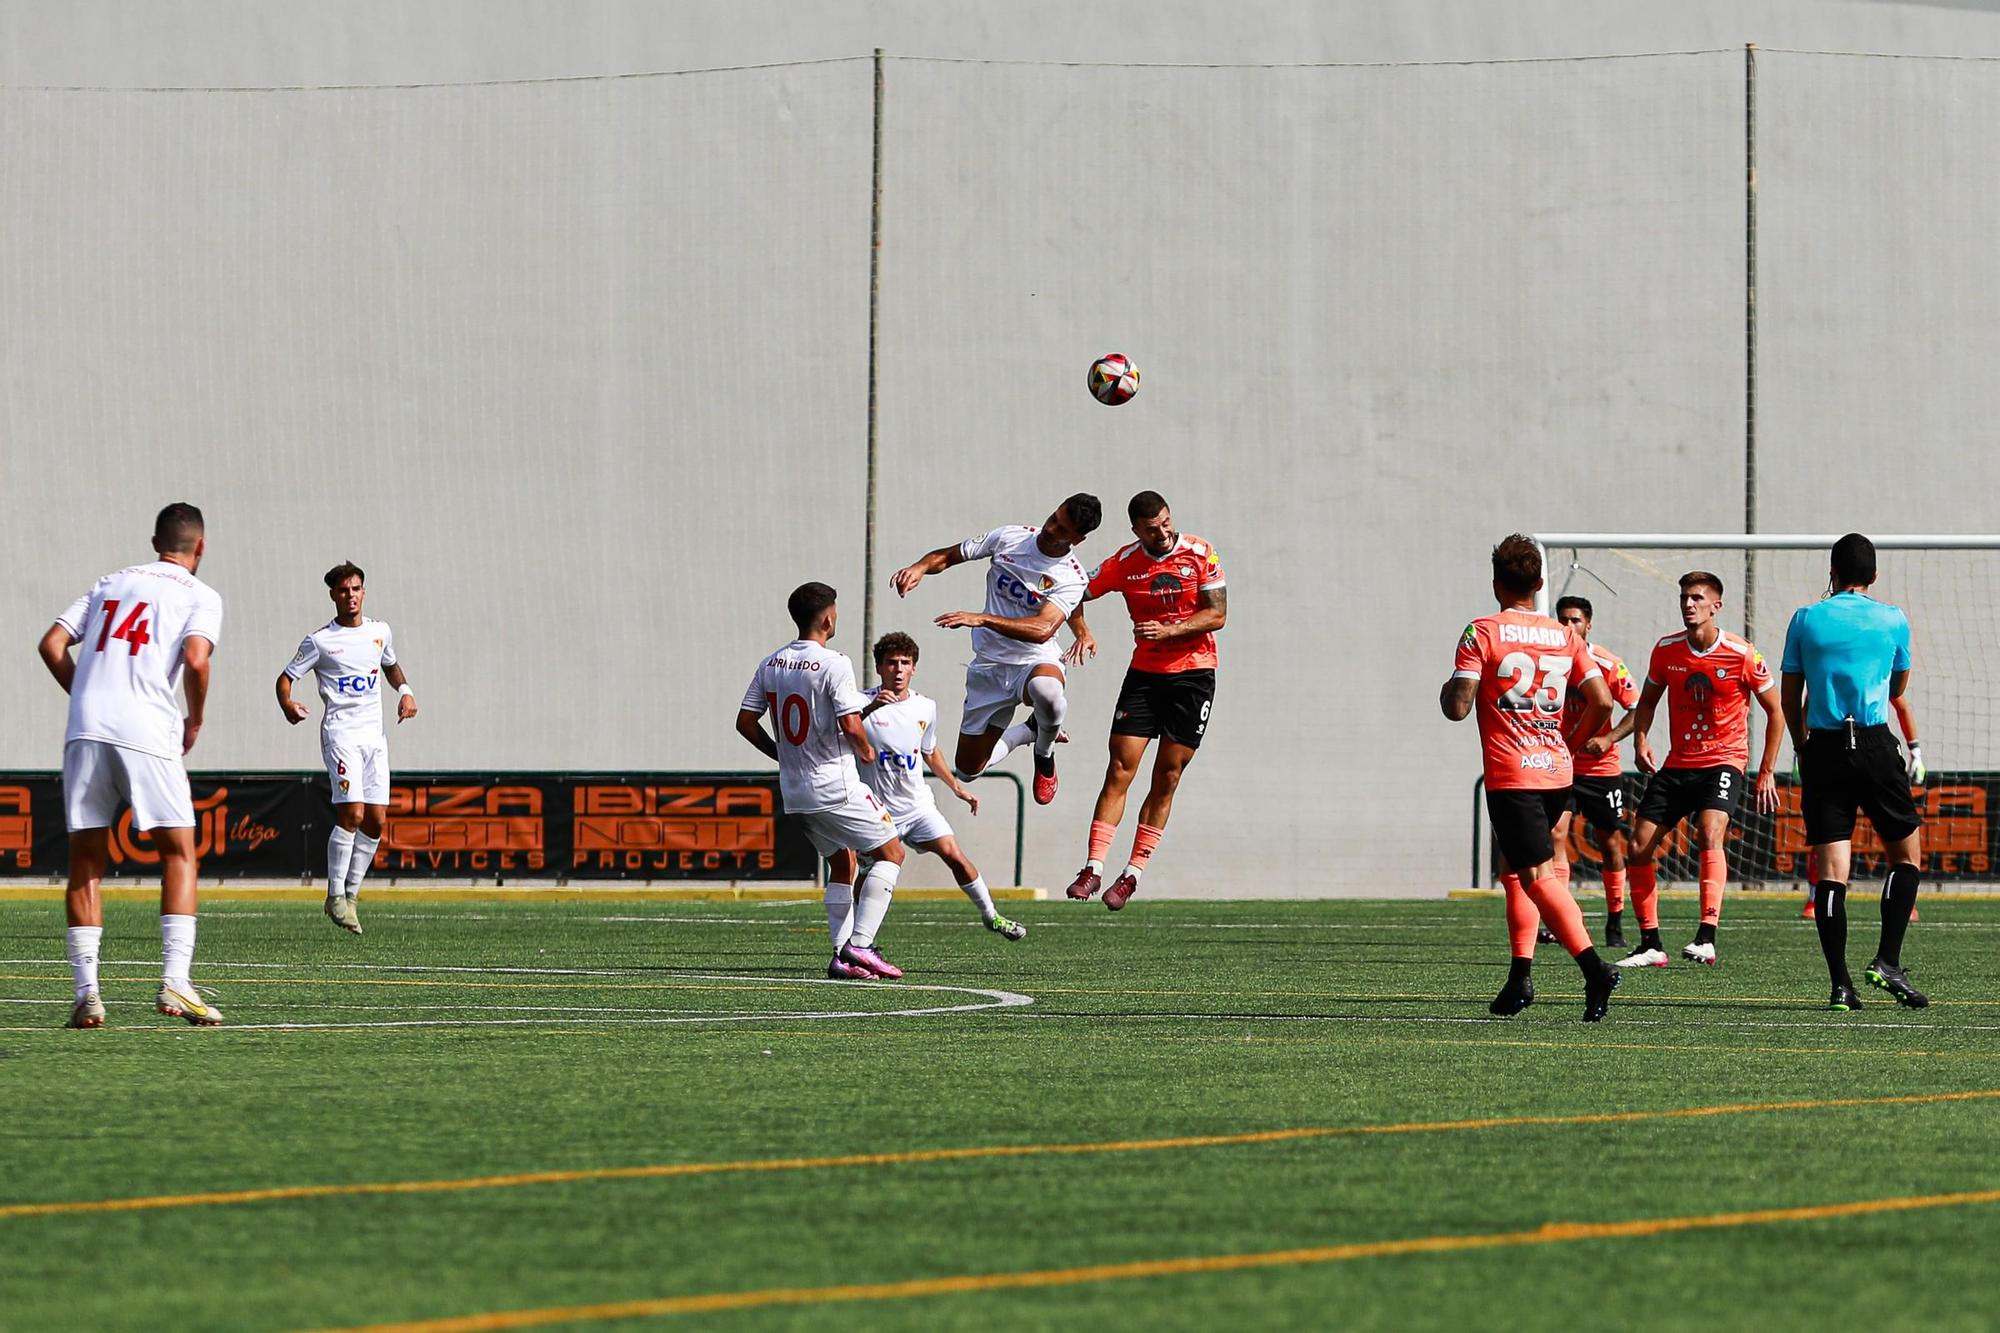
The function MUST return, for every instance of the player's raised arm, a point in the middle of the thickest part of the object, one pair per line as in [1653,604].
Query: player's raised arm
[932,562]
[54,650]
[1038,628]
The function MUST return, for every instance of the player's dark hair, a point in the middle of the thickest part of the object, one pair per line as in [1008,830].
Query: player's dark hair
[1574,604]
[1085,512]
[808,602]
[1699,578]
[177,529]
[344,571]
[1517,565]
[1853,561]
[895,644]
[1145,505]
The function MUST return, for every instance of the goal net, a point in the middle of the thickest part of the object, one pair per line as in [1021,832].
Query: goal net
[1944,583]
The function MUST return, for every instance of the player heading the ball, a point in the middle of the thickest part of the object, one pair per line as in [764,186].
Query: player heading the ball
[350,656]
[1514,669]
[1033,583]
[808,689]
[144,632]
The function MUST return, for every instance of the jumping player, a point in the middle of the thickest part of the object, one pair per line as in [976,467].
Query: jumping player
[902,726]
[1846,659]
[1708,678]
[1599,793]
[1516,669]
[350,656]
[1178,597]
[1032,585]
[145,631]
[809,691]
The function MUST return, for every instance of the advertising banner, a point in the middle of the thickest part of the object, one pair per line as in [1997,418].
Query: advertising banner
[493,826]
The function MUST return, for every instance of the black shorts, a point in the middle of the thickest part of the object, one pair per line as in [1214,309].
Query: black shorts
[1676,793]
[1835,780]
[1174,704]
[1601,802]
[1524,822]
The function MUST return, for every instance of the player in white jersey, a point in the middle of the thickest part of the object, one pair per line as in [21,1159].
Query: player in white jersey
[144,632]
[351,657]
[1031,587]
[902,726]
[816,711]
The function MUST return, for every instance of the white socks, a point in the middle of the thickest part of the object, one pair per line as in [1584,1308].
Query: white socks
[981,899]
[364,858]
[82,942]
[1051,705]
[871,901]
[1094,867]
[339,852]
[177,949]
[1010,740]
[1134,871]
[839,912]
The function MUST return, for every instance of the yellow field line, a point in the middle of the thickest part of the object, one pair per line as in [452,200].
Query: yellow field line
[923,1155]
[1552,1233]
[242,893]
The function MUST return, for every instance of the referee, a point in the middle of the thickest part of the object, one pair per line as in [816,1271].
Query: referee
[1846,658]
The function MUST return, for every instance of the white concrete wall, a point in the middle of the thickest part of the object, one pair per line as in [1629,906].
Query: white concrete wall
[577,370]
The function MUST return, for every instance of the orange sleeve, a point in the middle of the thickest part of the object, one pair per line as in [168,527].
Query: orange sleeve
[1586,664]
[1211,572]
[1104,578]
[1624,687]
[1756,670]
[1653,673]
[1471,660]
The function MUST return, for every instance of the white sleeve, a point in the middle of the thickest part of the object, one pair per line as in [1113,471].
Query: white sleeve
[304,659]
[753,698]
[206,622]
[388,646]
[929,743]
[840,687]
[75,614]
[1067,595]
[980,547]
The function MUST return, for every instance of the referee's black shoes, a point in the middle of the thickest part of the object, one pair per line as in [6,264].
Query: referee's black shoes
[1897,982]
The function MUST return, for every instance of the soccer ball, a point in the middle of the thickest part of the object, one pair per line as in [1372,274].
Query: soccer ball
[1113,379]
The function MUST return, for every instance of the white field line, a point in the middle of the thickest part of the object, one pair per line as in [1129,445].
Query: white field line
[1615,1021]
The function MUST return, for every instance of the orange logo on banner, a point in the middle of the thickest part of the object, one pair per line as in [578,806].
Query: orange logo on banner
[211,833]
[698,826]
[464,826]
[1955,836]
[17,825]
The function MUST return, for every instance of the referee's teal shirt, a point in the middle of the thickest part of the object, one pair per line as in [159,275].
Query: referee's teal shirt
[1847,647]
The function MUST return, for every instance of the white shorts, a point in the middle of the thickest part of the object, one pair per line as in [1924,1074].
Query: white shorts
[993,690]
[921,826]
[861,825]
[100,778]
[358,768]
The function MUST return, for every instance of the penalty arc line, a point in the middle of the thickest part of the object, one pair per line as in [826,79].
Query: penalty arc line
[1551,1233]
[149,1203]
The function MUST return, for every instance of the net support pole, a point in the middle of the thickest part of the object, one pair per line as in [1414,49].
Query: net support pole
[1750,332]
[874,335]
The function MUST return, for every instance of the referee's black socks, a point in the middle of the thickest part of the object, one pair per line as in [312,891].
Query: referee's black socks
[1899,897]
[1830,917]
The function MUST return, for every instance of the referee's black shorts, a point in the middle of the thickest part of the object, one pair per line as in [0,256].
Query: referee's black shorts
[1838,775]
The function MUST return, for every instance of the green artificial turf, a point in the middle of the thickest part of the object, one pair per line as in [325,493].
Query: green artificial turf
[582,1036]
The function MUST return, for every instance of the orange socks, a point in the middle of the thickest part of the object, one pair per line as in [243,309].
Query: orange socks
[1552,897]
[1646,896]
[1521,918]
[1614,890]
[1714,873]
[1101,835]
[1143,843]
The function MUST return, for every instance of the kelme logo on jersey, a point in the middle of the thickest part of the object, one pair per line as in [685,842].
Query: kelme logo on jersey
[357,684]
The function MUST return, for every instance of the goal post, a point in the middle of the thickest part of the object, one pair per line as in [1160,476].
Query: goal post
[1946,583]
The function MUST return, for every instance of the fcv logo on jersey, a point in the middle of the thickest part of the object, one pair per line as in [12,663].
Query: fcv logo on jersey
[1015,589]
[367,684]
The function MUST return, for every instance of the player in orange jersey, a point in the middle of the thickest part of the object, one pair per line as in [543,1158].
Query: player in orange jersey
[1174,587]
[1599,793]
[1709,678]
[1515,669]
